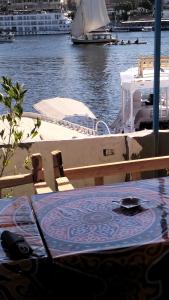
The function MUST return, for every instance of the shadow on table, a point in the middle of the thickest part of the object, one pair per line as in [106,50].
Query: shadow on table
[126,274]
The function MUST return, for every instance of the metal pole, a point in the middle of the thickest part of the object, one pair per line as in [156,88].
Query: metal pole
[157,50]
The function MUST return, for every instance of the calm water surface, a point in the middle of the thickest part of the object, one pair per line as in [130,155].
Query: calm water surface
[50,66]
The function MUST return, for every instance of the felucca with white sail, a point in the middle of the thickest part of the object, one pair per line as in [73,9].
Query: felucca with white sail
[90,19]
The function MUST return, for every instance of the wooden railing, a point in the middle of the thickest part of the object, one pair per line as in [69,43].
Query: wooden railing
[133,168]
[62,177]
[147,62]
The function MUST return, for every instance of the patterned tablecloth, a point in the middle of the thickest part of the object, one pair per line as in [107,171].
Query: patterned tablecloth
[122,250]
[20,279]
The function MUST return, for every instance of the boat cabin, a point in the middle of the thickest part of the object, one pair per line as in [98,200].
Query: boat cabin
[137,97]
[99,35]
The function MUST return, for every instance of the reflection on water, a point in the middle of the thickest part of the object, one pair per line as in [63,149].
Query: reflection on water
[50,66]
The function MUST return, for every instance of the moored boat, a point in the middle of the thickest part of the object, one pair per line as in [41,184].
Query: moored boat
[72,117]
[147,28]
[137,85]
[6,37]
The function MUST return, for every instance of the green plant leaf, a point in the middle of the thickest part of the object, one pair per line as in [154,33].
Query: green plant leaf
[12,98]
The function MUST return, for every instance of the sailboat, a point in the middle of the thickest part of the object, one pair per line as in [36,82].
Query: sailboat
[91,16]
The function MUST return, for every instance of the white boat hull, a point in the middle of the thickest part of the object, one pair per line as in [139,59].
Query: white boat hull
[95,37]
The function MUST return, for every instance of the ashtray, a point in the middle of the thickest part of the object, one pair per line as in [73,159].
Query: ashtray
[130,203]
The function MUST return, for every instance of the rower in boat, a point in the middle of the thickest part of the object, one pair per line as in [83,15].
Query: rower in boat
[136,41]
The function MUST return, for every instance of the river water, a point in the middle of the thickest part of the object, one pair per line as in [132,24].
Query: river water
[51,66]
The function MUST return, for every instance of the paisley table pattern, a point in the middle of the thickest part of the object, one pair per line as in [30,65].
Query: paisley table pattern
[19,278]
[91,218]
[86,230]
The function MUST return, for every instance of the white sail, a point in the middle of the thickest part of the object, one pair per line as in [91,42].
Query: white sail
[90,15]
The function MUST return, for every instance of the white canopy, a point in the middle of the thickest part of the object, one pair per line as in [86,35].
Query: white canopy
[90,15]
[130,81]
[61,108]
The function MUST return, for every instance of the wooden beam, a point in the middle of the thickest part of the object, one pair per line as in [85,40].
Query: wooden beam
[10,181]
[57,164]
[99,180]
[37,168]
[42,188]
[40,185]
[109,169]
[63,184]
